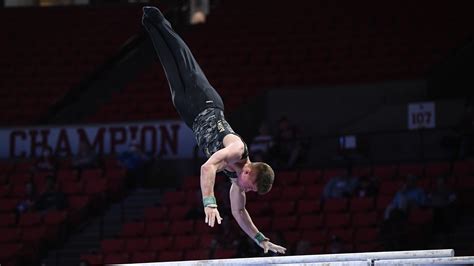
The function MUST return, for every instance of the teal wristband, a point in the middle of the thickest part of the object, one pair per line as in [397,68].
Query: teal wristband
[211,200]
[259,237]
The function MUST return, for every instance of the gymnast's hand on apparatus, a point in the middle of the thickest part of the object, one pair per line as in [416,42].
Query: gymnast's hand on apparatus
[267,245]
[211,215]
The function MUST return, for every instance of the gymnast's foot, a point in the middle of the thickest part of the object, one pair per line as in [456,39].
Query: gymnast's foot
[152,14]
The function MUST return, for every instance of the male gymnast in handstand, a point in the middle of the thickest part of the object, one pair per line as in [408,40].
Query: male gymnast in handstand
[202,109]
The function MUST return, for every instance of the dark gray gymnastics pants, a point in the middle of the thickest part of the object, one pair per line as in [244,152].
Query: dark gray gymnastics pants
[190,90]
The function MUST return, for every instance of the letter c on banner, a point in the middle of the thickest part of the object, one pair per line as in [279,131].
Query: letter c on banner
[13,141]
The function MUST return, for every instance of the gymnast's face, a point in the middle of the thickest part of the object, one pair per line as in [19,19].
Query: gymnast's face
[246,180]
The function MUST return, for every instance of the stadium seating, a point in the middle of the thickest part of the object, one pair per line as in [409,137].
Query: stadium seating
[290,212]
[29,234]
[310,43]
[45,59]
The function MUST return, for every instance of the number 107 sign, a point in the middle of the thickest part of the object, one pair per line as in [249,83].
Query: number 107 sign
[421,115]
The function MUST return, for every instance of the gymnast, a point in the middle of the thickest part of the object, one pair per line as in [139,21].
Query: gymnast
[202,109]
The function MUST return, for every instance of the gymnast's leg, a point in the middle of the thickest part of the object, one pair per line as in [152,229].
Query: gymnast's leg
[190,89]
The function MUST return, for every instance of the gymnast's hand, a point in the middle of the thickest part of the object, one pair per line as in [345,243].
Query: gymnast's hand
[211,215]
[267,245]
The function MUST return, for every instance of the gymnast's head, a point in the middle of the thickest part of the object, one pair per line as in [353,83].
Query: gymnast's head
[256,177]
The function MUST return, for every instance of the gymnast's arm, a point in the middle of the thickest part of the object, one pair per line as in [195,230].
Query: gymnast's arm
[237,203]
[217,162]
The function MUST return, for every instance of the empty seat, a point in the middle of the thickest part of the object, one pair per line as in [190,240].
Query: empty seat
[385,171]
[466,199]
[203,228]
[291,237]
[274,194]
[156,228]
[181,227]
[159,243]
[361,171]
[437,169]
[191,183]
[420,217]
[20,178]
[8,205]
[292,193]
[173,197]
[332,172]
[92,174]
[364,235]
[286,177]
[40,178]
[221,253]
[6,167]
[315,237]
[155,213]
[465,183]
[283,223]
[143,256]
[410,168]
[78,202]
[66,175]
[463,168]
[30,219]
[337,220]
[197,254]
[34,235]
[382,202]
[7,219]
[281,208]
[186,242]
[72,187]
[178,212]
[95,186]
[136,244]
[309,177]
[364,219]
[133,229]
[112,245]
[390,187]
[367,247]
[9,235]
[345,248]
[361,204]
[263,223]
[309,222]
[308,207]
[335,205]
[9,251]
[116,258]
[425,183]
[207,240]
[192,197]
[257,208]
[18,191]
[313,192]
[4,191]
[345,235]
[170,255]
